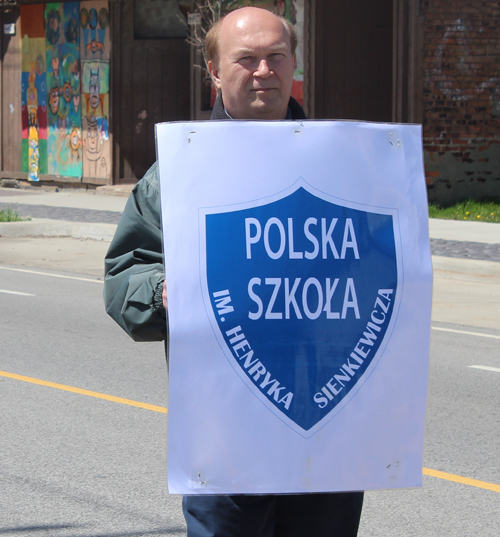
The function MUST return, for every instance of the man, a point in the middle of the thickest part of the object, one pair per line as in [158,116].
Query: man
[251,57]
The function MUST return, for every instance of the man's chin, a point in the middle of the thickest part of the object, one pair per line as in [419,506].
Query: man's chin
[269,109]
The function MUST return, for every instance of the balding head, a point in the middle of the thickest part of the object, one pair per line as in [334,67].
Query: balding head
[211,44]
[253,64]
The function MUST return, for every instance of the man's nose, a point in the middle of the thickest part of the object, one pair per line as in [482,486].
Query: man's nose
[263,69]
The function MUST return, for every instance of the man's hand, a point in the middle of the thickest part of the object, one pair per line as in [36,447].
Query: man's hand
[164,296]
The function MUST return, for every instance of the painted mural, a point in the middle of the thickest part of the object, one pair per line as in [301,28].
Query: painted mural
[94,54]
[63,86]
[33,92]
[65,89]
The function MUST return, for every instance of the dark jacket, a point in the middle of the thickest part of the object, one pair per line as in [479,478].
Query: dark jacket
[134,272]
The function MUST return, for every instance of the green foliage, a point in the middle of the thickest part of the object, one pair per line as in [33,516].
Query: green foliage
[9,215]
[472,210]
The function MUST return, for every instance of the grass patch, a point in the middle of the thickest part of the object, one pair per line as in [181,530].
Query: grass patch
[10,215]
[472,210]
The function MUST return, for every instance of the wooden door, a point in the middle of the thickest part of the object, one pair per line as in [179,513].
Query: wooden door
[353,53]
[150,84]
[10,87]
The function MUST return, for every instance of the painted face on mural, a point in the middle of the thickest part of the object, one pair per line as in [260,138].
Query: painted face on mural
[53,27]
[32,117]
[256,65]
[39,65]
[92,136]
[103,18]
[67,92]
[76,69]
[71,32]
[93,48]
[61,124]
[76,102]
[54,100]
[55,66]
[93,18]
[75,139]
[94,88]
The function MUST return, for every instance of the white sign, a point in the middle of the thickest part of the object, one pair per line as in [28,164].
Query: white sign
[299,285]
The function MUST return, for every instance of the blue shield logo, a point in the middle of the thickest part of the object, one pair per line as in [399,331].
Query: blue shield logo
[301,292]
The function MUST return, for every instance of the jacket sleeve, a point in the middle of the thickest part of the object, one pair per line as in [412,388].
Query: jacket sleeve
[134,271]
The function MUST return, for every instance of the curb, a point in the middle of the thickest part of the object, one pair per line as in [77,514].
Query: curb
[472,270]
[115,190]
[443,267]
[58,228]
[450,230]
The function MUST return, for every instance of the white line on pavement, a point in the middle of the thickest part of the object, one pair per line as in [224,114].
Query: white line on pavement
[15,293]
[464,332]
[486,368]
[53,275]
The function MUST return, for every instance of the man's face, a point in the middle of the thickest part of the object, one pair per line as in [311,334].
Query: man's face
[256,65]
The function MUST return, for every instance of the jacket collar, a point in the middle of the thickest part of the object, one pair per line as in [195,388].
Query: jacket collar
[219,112]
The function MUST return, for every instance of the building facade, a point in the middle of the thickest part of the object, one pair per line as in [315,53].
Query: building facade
[83,83]
[461,99]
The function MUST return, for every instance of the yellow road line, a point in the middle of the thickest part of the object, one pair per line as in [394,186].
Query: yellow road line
[85,392]
[461,479]
[426,471]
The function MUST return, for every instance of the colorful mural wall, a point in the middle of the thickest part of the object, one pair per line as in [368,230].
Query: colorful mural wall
[65,89]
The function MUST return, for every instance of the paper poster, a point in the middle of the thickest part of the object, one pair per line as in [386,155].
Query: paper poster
[299,281]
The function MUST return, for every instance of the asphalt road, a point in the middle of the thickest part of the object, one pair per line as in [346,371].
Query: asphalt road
[462,438]
[74,465]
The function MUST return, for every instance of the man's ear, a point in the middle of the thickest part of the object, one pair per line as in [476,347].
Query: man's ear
[214,73]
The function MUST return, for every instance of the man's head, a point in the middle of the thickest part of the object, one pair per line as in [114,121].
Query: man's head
[251,58]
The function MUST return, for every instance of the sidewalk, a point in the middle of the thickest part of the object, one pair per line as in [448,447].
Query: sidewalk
[108,199]
[105,206]
[95,214]
[465,255]
[68,213]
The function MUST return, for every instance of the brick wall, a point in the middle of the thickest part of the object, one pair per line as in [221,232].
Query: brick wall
[461,98]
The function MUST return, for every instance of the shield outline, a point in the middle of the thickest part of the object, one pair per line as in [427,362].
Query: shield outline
[258,202]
